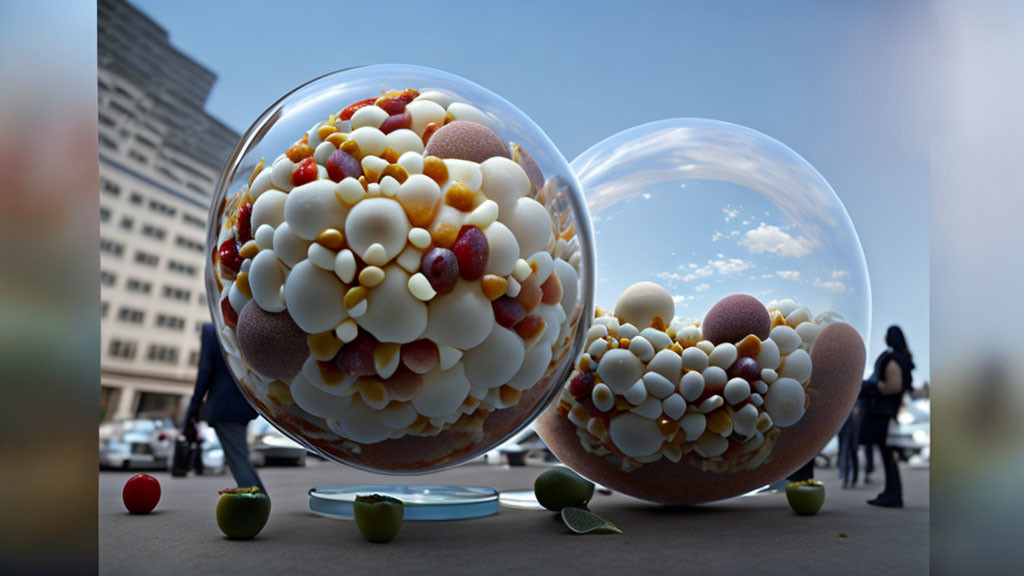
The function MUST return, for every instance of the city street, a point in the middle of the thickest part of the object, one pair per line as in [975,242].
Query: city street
[755,534]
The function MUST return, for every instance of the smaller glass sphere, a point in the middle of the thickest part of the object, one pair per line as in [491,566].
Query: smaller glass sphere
[400,268]
[733,303]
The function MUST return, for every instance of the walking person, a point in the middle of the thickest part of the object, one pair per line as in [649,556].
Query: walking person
[849,440]
[226,410]
[883,395]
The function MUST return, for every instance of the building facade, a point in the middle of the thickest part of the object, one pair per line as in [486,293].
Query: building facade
[160,157]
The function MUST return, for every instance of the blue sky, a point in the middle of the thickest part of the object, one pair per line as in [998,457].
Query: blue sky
[845,85]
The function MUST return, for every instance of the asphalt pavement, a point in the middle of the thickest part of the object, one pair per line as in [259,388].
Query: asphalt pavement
[750,535]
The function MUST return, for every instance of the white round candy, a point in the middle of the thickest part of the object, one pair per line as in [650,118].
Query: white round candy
[636,393]
[786,338]
[398,415]
[667,363]
[496,360]
[693,425]
[620,369]
[289,248]
[715,377]
[423,112]
[695,359]
[372,116]
[281,173]
[674,406]
[377,221]
[316,401]
[723,355]
[360,423]
[403,141]
[657,338]
[530,222]
[744,421]
[736,390]
[635,435]
[534,365]
[314,298]
[769,356]
[312,208]
[569,280]
[692,385]
[442,393]
[642,348]
[461,318]
[505,182]
[261,183]
[393,314]
[797,365]
[370,140]
[269,209]
[503,250]
[785,402]
[465,171]
[265,281]
[658,385]
[468,113]
[603,397]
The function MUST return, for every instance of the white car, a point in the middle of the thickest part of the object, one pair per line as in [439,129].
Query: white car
[268,445]
[137,443]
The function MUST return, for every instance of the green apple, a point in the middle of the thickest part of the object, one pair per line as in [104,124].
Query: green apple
[379,517]
[807,497]
[560,487]
[242,512]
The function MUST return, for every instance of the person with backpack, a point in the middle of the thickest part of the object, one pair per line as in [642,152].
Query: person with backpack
[882,395]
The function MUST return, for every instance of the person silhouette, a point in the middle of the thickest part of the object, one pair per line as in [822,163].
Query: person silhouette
[883,396]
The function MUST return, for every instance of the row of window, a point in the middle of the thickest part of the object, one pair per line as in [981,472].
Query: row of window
[190,244]
[127,349]
[113,189]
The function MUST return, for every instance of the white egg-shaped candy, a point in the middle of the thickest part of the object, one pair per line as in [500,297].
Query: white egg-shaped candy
[723,355]
[442,393]
[312,208]
[377,221]
[635,435]
[535,363]
[360,423]
[398,415]
[695,359]
[496,360]
[503,250]
[468,113]
[316,401]
[620,369]
[403,141]
[461,318]
[657,385]
[261,183]
[424,112]
[265,281]
[691,386]
[505,182]
[281,174]
[570,284]
[314,298]
[797,365]
[693,425]
[785,402]
[269,209]
[736,390]
[667,363]
[786,338]
[642,348]
[769,356]
[674,406]
[371,115]
[370,140]
[393,314]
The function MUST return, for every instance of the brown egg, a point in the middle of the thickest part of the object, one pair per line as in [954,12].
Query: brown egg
[270,342]
[466,141]
[734,317]
[837,356]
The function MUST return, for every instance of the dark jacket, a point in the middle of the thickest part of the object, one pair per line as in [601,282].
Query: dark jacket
[224,401]
[880,408]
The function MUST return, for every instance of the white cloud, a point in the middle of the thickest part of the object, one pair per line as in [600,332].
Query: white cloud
[646,196]
[774,240]
[691,272]
[717,236]
[702,287]
[833,286]
[840,274]
[730,212]
[669,276]
[788,274]
[679,298]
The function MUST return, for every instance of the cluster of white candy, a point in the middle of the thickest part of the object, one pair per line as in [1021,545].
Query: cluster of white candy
[427,288]
[639,395]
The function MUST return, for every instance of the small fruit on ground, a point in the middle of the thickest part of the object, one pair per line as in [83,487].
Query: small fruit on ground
[141,494]
[379,517]
[560,487]
[807,497]
[242,512]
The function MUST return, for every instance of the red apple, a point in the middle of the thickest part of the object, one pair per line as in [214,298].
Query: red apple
[141,493]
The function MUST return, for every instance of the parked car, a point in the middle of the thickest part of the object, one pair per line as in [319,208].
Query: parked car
[269,446]
[524,445]
[137,443]
[911,432]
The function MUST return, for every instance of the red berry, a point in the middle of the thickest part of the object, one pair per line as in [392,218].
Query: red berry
[588,405]
[304,172]
[746,368]
[396,122]
[245,223]
[420,356]
[341,165]
[229,314]
[356,357]
[441,267]
[393,106]
[347,113]
[230,261]
[141,494]
[581,385]
[471,251]
[507,311]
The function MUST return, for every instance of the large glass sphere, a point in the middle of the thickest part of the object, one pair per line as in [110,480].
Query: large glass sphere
[733,303]
[401,268]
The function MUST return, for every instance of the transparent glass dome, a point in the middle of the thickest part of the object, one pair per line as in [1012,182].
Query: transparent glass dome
[733,305]
[401,267]
[708,208]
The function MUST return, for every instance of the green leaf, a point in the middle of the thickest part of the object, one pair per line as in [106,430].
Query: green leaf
[583,521]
